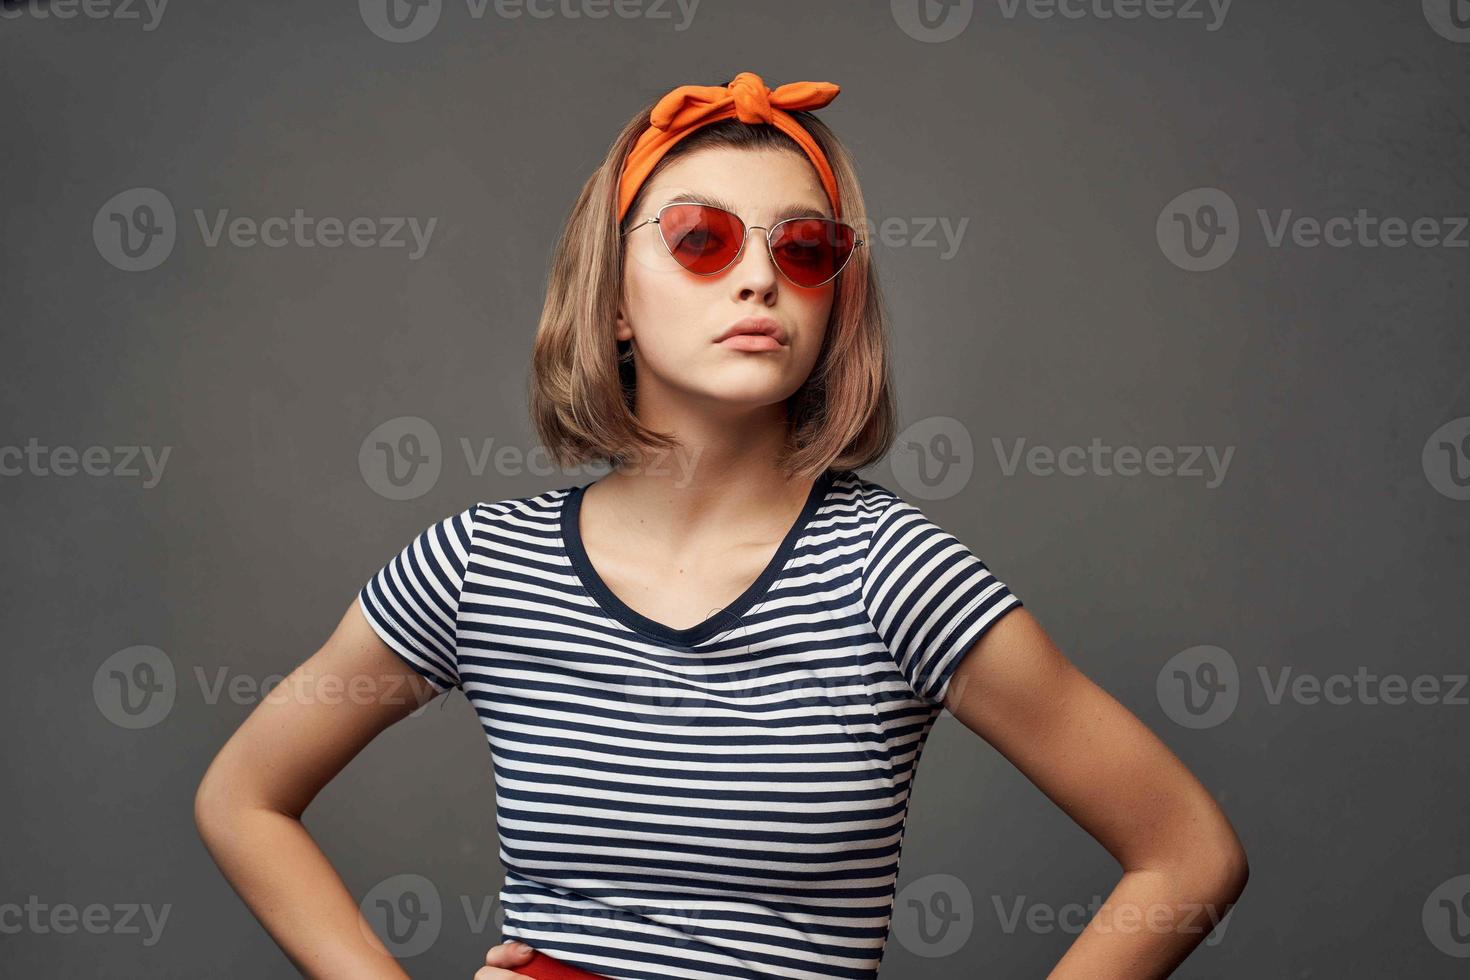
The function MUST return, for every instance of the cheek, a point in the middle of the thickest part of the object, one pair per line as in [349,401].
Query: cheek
[667,308]
[816,310]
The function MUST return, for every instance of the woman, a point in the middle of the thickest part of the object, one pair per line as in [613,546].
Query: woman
[706,678]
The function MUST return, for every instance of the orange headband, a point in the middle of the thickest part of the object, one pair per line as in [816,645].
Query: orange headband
[746,97]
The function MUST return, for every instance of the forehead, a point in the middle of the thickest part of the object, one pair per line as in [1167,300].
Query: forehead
[770,185]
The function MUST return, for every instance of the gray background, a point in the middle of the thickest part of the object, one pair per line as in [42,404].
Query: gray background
[1326,549]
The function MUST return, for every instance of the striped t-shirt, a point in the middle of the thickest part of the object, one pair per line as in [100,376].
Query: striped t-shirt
[722,801]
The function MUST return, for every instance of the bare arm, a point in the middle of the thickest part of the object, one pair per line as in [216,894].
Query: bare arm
[1183,865]
[248,806]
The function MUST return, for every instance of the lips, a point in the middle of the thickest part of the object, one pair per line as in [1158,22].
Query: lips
[758,326]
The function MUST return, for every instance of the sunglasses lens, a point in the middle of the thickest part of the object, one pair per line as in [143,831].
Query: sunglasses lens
[701,239]
[811,251]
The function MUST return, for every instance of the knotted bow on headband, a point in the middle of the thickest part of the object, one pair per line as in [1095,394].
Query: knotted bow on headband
[688,107]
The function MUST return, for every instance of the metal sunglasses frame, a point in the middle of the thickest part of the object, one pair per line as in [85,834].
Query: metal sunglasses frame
[770,234]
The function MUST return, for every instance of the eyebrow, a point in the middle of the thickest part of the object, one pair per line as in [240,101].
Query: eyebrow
[781,214]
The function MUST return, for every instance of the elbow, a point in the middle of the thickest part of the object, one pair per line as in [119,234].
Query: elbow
[1237,869]
[1213,869]
[211,802]
[1223,870]
[206,809]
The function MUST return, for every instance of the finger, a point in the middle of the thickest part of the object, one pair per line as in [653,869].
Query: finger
[495,973]
[508,954]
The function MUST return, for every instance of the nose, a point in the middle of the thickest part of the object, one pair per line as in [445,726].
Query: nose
[754,273]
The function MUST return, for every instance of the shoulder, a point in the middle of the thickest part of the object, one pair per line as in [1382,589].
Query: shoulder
[534,513]
[894,530]
[866,502]
[861,494]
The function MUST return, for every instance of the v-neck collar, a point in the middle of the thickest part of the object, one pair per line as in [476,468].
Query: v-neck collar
[726,618]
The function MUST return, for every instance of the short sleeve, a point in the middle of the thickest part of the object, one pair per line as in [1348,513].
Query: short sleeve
[412,602]
[928,596]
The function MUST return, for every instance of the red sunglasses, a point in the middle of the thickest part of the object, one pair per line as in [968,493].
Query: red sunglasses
[706,240]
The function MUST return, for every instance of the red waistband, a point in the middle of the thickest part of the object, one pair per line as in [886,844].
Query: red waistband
[544,966]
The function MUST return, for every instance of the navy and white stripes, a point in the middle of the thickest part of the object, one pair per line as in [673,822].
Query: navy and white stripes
[928,596]
[413,601]
[728,805]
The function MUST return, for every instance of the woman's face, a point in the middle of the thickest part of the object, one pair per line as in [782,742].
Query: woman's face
[675,317]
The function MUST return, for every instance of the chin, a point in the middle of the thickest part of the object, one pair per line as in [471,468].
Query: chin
[749,389]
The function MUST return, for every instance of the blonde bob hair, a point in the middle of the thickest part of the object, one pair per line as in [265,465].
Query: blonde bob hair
[582,380]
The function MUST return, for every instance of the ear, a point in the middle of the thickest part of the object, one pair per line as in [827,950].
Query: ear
[624,329]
